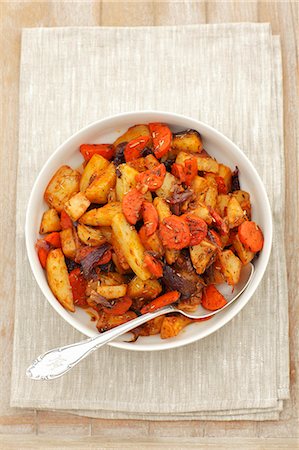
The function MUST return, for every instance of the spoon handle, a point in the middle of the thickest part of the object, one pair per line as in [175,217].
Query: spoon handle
[58,361]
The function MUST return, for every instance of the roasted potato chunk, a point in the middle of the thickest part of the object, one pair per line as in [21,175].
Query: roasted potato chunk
[182,158]
[230,266]
[108,321]
[50,222]
[101,216]
[245,255]
[127,181]
[76,206]
[202,255]
[212,193]
[235,213]
[132,133]
[121,259]
[243,198]
[111,279]
[187,141]
[90,236]
[172,325]
[145,289]
[93,169]
[63,185]
[167,188]
[131,245]
[226,174]
[98,190]
[199,186]
[58,279]
[222,202]
[107,232]
[203,212]
[68,243]
[111,292]
[207,164]
[151,162]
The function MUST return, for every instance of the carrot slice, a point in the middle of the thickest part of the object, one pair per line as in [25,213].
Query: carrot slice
[251,236]
[42,253]
[121,306]
[212,299]
[78,285]
[159,302]
[221,186]
[190,170]
[105,258]
[150,218]
[65,220]
[131,205]
[178,171]
[162,136]
[105,150]
[134,148]
[219,222]
[153,265]
[197,227]
[53,239]
[174,233]
[153,178]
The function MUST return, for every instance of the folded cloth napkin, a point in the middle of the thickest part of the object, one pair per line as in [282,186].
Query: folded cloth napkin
[228,76]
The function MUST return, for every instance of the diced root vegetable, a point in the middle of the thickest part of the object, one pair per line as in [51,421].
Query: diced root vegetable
[174,233]
[50,222]
[111,292]
[212,299]
[230,266]
[251,236]
[76,206]
[172,325]
[164,300]
[58,279]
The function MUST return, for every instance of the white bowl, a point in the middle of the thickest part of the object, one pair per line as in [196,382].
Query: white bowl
[106,131]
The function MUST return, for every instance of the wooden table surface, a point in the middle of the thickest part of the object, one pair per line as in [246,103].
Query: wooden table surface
[20,429]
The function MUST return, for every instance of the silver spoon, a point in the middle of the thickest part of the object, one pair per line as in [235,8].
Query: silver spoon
[58,361]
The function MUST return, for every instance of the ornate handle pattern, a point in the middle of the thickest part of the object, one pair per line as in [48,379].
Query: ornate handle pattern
[57,362]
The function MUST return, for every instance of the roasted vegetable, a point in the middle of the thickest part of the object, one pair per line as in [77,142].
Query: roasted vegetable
[132,133]
[172,325]
[92,259]
[50,222]
[98,190]
[187,141]
[230,266]
[68,243]
[132,247]
[144,289]
[58,279]
[101,216]
[90,236]
[202,255]
[153,220]
[63,185]
[76,206]
[93,169]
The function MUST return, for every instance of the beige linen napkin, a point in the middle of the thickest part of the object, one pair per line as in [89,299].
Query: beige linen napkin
[228,76]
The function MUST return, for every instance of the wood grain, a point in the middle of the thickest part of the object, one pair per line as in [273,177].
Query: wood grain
[18,427]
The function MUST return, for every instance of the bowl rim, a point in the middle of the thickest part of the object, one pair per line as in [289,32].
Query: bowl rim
[248,293]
